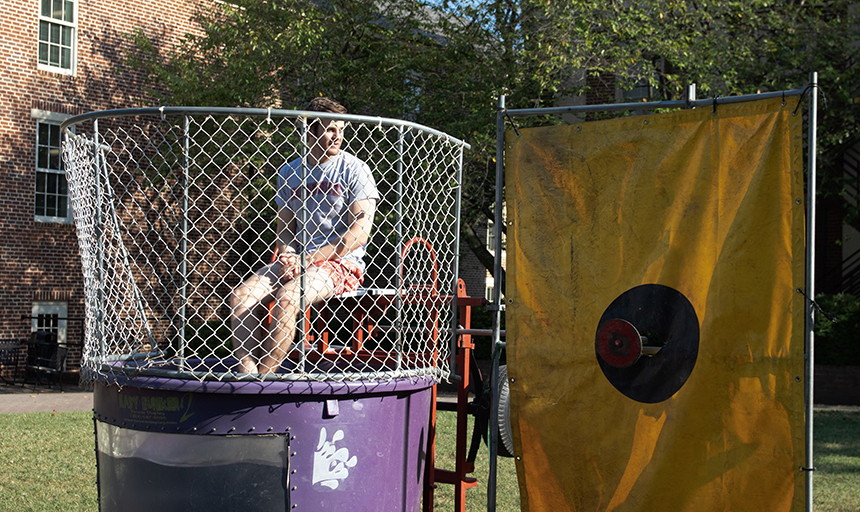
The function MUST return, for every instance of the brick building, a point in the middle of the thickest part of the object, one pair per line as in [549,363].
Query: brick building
[60,58]
[478,280]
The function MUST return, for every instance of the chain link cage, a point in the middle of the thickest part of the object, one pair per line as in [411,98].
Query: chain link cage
[175,209]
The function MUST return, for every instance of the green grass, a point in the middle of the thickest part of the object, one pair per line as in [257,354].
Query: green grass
[508,493]
[836,450]
[47,463]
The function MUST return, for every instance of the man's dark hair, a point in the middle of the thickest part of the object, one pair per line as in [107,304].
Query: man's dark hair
[323,104]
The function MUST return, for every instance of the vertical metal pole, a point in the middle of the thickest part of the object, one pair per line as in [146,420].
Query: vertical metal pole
[398,247]
[454,310]
[691,95]
[183,318]
[303,235]
[810,276]
[98,468]
[100,201]
[497,303]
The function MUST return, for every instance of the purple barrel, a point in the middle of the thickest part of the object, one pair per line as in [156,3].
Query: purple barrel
[177,444]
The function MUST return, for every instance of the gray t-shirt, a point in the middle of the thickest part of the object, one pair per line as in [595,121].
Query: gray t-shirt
[331,187]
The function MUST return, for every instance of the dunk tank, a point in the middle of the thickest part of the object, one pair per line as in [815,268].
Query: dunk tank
[174,208]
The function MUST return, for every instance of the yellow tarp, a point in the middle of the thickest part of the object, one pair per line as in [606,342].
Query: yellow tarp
[710,206]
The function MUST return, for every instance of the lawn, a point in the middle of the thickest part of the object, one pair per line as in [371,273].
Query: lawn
[836,450]
[48,464]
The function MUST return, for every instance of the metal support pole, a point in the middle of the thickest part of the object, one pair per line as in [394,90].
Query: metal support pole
[398,229]
[301,229]
[810,277]
[455,265]
[183,292]
[100,254]
[497,314]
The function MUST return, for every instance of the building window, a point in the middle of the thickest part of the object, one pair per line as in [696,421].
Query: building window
[57,39]
[491,237]
[642,91]
[51,317]
[490,288]
[52,190]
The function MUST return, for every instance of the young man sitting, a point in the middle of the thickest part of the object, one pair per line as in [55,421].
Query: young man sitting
[340,199]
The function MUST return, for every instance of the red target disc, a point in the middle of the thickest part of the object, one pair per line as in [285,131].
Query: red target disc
[618,343]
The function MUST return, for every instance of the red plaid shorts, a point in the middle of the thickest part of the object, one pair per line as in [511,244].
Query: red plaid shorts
[346,275]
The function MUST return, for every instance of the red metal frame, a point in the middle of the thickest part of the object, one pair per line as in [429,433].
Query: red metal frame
[435,276]
[459,477]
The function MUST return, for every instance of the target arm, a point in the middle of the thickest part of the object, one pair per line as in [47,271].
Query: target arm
[650,351]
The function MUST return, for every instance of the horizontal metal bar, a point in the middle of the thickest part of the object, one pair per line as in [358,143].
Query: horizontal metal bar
[478,332]
[651,105]
[256,112]
[405,330]
[650,351]
[157,356]
[106,369]
[459,332]
[446,406]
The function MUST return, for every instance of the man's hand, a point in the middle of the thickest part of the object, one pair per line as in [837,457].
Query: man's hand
[290,266]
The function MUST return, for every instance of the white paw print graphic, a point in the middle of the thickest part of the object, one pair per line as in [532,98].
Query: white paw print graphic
[331,465]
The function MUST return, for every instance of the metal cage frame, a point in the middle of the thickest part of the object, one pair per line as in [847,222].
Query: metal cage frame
[143,184]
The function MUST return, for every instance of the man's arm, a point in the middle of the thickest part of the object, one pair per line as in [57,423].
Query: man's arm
[287,244]
[286,235]
[360,223]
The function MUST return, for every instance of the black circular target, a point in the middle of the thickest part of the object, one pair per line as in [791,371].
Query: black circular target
[669,322]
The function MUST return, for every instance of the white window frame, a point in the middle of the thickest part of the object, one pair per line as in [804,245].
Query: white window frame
[491,234]
[53,119]
[490,288]
[52,308]
[61,23]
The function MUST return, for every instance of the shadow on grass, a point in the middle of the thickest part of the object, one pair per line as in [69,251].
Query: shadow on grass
[836,452]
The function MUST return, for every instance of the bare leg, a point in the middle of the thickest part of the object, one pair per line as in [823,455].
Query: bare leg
[243,323]
[247,302]
[277,341]
[319,287]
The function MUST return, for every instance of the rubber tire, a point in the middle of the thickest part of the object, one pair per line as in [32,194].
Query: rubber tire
[506,438]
